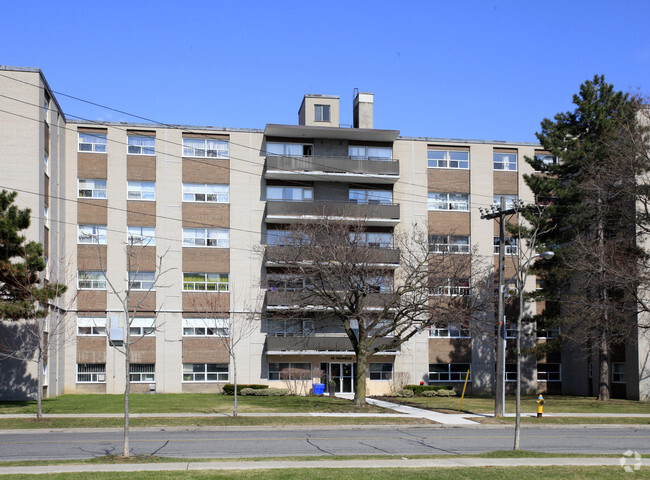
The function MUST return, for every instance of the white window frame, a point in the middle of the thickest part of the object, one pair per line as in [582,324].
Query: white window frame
[140,235]
[141,145]
[502,162]
[511,244]
[511,372]
[546,158]
[445,160]
[448,202]
[453,373]
[290,327]
[138,190]
[96,372]
[450,289]
[142,327]
[206,193]
[367,196]
[511,201]
[206,327]
[142,373]
[91,326]
[280,149]
[306,193]
[359,152]
[276,373]
[142,281]
[322,113]
[449,331]
[549,376]
[206,237]
[218,282]
[380,371]
[372,239]
[618,372]
[92,142]
[97,188]
[91,234]
[449,244]
[95,277]
[191,373]
[206,148]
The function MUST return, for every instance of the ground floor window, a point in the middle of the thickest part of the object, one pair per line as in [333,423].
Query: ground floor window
[448,372]
[549,372]
[289,371]
[142,372]
[511,372]
[618,373]
[381,371]
[205,372]
[91,372]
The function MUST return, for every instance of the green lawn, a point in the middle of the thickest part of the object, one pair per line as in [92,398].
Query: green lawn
[478,473]
[186,403]
[554,404]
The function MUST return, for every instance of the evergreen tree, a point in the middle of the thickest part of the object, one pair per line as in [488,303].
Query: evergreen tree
[590,213]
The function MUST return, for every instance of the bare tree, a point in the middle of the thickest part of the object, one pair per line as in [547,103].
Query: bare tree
[230,328]
[380,297]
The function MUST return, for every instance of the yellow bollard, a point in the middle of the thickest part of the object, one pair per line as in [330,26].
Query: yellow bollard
[540,406]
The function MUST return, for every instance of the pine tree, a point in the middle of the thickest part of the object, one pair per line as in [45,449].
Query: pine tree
[591,214]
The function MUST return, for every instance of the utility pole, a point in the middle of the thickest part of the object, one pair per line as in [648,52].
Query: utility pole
[499,213]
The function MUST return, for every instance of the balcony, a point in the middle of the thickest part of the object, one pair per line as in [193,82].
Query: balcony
[300,212]
[281,255]
[317,345]
[340,169]
[305,300]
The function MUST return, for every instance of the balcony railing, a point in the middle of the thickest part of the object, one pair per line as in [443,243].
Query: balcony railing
[305,300]
[286,212]
[291,254]
[277,166]
[280,345]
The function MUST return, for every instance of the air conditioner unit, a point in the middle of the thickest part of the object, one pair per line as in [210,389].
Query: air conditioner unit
[101,377]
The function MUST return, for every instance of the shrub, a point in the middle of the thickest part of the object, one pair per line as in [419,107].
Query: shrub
[418,389]
[402,394]
[229,388]
[439,393]
[265,392]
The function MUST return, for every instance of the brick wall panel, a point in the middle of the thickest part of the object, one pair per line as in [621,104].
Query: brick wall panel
[206,170]
[141,258]
[196,302]
[505,183]
[141,213]
[92,165]
[91,301]
[448,181]
[141,167]
[91,257]
[91,212]
[206,260]
[196,215]
[144,350]
[204,350]
[450,350]
[449,223]
[91,349]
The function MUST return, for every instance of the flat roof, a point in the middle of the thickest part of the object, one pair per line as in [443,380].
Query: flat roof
[308,131]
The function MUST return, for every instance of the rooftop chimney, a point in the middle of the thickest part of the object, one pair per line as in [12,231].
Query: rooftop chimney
[362,109]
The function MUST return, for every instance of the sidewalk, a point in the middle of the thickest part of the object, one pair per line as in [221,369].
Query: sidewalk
[375,463]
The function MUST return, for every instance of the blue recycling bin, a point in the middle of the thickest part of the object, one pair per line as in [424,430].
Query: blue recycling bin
[319,388]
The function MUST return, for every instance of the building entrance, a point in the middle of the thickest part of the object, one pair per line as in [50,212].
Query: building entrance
[342,374]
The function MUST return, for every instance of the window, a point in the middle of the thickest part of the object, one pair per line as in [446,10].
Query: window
[458,202]
[510,244]
[46,159]
[321,113]
[142,372]
[91,326]
[381,371]
[206,327]
[92,142]
[448,372]
[450,288]
[511,372]
[91,372]
[290,327]
[141,326]
[547,160]
[549,333]
[289,371]
[142,280]
[91,188]
[448,159]
[372,239]
[383,154]
[141,145]
[205,192]
[206,237]
[290,194]
[91,280]
[95,234]
[549,372]
[449,243]
[288,149]
[205,282]
[371,197]
[618,373]
[285,282]
[448,331]
[205,372]
[505,161]
[511,201]
[205,148]
[141,190]
[286,237]
[145,236]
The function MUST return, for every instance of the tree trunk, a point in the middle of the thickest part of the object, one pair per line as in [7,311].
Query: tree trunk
[234,381]
[603,369]
[603,345]
[518,390]
[41,352]
[360,379]
[127,390]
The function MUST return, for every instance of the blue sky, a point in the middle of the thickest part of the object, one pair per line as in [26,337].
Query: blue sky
[471,69]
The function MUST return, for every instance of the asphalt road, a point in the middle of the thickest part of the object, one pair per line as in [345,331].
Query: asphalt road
[268,442]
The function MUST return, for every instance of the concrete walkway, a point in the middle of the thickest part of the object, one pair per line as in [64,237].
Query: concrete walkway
[443,418]
[322,464]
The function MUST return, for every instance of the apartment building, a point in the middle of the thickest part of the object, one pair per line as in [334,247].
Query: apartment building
[191,220]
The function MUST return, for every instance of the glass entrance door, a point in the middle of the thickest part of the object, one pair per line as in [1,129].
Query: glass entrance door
[342,374]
